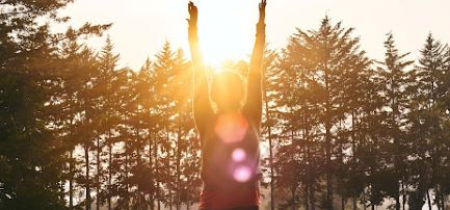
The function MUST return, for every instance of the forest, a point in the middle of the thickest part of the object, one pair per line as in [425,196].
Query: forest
[340,129]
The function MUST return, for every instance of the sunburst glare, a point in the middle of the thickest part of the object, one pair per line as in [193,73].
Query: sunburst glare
[226,31]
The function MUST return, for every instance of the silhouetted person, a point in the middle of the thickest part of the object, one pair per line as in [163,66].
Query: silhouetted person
[230,135]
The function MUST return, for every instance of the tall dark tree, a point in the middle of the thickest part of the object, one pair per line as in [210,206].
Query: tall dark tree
[271,94]
[163,77]
[394,74]
[32,152]
[426,122]
[321,64]
[107,122]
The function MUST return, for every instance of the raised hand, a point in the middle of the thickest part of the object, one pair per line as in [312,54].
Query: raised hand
[193,14]
[253,105]
[262,11]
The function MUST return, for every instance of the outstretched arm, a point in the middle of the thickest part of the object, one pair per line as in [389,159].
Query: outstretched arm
[201,106]
[253,106]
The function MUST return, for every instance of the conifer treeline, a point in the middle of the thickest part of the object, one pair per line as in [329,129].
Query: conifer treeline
[349,130]
[342,131]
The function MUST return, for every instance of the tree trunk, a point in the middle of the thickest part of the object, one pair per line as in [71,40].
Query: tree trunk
[313,196]
[97,201]
[178,193]
[429,200]
[269,135]
[87,184]
[152,175]
[155,156]
[329,175]
[109,172]
[138,161]
[341,162]
[404,195]
[364,199]
[71,180]
[127,186]
[329,193]
[306,197]
[438,197]
[397,200]
[139,184]
[294,205]
[311,163]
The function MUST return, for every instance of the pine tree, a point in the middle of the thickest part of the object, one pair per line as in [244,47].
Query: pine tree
[369,128]
[269,124]
[396,79]
[108,120]
[33,155]
[425,116]
[323,66]
[163,77]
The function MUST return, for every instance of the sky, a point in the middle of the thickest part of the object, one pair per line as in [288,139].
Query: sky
[227,27]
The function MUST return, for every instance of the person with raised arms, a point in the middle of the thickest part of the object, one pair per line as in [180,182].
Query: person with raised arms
[229,134]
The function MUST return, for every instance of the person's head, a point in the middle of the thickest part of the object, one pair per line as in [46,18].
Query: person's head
[227,91]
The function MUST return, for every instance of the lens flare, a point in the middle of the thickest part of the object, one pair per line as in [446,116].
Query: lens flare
[242,174]
[239,155]
[231,128]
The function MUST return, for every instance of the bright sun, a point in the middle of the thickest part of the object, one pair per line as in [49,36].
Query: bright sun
[226,32]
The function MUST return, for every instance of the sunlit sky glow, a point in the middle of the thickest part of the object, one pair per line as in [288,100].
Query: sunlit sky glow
[227,27]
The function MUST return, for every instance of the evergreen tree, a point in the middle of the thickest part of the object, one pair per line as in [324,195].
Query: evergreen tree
[108,121]
[163,77]
[322,67]
[32,154]
[426,122]
[271,92]
[394,74]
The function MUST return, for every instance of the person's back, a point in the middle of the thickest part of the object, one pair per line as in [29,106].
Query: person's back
[230,166]
[230,136]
